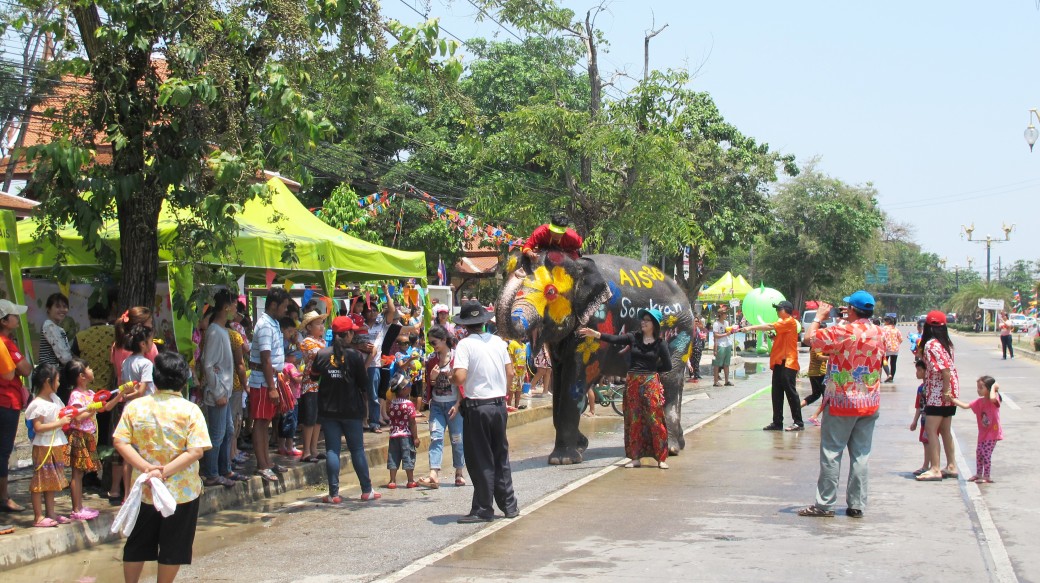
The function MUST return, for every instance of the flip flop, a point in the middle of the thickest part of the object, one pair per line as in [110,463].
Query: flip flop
[460,481]
[947,474]
[924,478]
[11,506]
[428,482]
[64,520]
[46,523]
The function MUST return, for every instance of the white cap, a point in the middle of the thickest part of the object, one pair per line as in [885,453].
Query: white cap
[7,308]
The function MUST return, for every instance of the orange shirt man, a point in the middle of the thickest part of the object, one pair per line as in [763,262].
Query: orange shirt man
[783,360]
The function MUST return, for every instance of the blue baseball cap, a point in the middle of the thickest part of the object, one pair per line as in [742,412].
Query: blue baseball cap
[860,300]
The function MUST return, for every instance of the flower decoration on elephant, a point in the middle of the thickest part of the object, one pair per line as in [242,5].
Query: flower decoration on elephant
[550,290]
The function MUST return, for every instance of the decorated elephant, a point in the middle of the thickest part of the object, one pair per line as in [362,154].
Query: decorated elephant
[554,296]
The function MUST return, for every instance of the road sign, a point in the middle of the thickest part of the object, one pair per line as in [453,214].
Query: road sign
[991,304]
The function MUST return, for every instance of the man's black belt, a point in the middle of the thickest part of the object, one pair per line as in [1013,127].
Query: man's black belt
[470,403]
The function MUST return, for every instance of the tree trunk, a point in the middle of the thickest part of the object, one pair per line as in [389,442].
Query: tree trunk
[139,248]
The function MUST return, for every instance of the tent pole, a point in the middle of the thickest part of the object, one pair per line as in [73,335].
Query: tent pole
[11,264]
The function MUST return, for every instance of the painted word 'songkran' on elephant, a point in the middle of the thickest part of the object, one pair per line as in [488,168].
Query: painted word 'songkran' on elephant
[552,297]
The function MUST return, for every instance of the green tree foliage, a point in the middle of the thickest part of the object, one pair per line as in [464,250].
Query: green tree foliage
[966,301]
[196,99]
[821,228]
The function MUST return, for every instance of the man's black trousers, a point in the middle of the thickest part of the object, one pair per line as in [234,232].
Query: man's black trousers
[487,455]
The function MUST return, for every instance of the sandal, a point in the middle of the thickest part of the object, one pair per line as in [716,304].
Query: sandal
[460,481]
[63,520]
[267,475]
[412,485]
[926,477]
[920,471]
[46,523]
[816,512]
[320,456]
[331,500]
[391,486]
[369,496]
[11,506]
[236,477]
[428,482]
[949,474]
[634,464]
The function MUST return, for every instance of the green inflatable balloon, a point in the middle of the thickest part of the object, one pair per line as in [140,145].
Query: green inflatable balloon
[758,309]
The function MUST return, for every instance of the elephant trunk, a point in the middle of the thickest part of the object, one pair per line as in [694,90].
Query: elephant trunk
[514,316]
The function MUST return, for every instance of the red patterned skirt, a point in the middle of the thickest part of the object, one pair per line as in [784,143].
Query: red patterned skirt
[83,451]
[645,433]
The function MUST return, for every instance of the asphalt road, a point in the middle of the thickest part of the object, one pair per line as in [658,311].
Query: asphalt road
[724,512]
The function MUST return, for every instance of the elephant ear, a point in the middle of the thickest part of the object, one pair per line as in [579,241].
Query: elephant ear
[590,291]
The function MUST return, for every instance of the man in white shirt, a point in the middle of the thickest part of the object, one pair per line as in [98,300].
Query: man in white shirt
[723,347]
[483,368]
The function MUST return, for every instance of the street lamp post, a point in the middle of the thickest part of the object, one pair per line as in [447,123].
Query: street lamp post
[989,241]
[1031,134]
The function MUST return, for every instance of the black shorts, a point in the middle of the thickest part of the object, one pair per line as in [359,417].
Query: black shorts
[940,411]
[166,540]
[309,409]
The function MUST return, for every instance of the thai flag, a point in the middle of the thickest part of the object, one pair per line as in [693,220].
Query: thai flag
[442,272]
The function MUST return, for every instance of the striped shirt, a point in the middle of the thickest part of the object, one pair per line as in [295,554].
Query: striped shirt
[267,336]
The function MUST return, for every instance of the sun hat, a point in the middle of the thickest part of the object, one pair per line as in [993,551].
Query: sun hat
[342,324]
[785,306]
[310,317]
[472,313]
[441,309]
[860,300]
[399,381]
[653,313]
[7,308]
[935,318]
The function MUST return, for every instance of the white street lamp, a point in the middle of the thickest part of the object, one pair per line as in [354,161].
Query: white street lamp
[1031,134]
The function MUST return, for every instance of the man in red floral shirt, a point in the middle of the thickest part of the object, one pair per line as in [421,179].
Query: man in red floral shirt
[855,351]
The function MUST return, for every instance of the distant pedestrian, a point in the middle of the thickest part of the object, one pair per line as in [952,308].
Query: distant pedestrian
[218,366]
[645,432]
[783,360]
[404,434]
[855,351]
[164,436]
[518,354]
[723,355]
[313,326]
[1006,327]
[893,339]
[483,368]
[54,341]
[266,360]
[13,395]
[987,414]
[700,337]
[817,373]
[942,385]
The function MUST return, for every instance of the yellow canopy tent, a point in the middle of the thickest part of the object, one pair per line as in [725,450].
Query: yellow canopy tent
[726,288]
[325,254]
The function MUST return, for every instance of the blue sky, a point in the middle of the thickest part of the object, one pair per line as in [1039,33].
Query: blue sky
[926,100]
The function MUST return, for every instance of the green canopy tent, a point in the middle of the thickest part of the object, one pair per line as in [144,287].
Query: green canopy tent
[725,289]
[325,254]
[10,263]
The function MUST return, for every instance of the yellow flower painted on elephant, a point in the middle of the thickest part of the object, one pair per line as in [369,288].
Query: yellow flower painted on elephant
[551,290]
[587,348]
[670,321]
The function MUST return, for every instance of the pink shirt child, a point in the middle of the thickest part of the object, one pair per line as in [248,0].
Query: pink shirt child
[295,378]
[401,412]
[988,415]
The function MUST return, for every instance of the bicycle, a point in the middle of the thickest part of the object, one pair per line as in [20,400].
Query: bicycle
[612,394]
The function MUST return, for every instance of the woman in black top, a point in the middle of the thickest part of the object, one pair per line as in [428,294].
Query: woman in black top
[342,407]
[645,432]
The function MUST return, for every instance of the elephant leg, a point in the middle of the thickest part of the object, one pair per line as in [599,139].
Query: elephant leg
[569,440]
[673,388]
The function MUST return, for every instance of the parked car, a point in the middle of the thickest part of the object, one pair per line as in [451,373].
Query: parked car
[1021,322]
[809,315]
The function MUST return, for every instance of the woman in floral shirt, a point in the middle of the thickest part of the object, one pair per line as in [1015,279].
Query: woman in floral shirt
[942,386]
[164,435]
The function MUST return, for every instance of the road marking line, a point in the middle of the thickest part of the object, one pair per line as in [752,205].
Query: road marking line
[994,553]
[1010,402]
[499,524]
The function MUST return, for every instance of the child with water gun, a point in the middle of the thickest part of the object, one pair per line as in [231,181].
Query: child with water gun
[84,404]
[47,414]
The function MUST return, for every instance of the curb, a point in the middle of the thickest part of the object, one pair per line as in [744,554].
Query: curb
[29,545]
